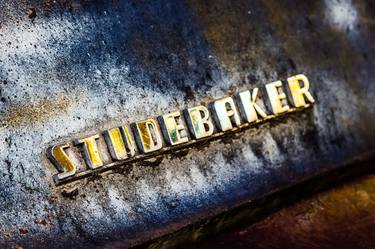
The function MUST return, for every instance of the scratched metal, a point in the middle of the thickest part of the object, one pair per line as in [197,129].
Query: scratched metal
[73,68]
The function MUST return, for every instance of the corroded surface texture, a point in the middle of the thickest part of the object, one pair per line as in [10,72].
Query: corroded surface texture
[343,217]
[72,68]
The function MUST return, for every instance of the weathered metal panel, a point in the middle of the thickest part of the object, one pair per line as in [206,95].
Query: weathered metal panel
[342,217]
[74,68]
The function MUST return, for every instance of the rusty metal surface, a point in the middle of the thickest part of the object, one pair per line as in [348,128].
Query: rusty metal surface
[343,217]
[72,68]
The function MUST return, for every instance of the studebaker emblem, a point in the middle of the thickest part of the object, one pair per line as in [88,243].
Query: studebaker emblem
[153,136]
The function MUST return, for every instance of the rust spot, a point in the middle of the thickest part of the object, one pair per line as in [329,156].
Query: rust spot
[23,230]
[37,112]
[7,235]
[31,13]
[70,193]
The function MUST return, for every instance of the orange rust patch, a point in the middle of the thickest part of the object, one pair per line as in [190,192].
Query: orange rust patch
[23,230]
[37,112]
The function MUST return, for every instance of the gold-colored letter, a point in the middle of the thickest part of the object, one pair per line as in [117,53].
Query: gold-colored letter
[249,109]
[299,94]
[62,161]
[119,143]
[276,97]
[147,135]
[173,128]
[226,113]
[199,121]
[90,151]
